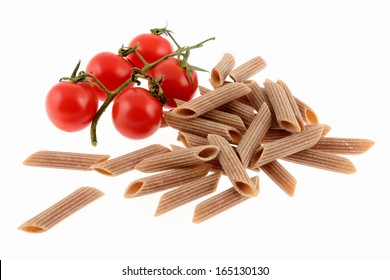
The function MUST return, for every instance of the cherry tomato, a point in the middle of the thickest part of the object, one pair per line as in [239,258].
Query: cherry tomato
[151,47]
[176,83]
[110,69]
[136,114]
[71,106]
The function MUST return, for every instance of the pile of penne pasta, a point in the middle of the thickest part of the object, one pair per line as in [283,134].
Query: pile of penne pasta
[234,129]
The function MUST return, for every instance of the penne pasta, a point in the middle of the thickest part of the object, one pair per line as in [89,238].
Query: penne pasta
[178,158]
[280,103]
[322,160]
[203,90]
[222,69]
[65,160]
[280,176]
[163,122]
[127,162]
[345,146]
[61,210]
[187,192]
[220,202]
[307,113]
[225,118]
[166,180]
[245,112]
[286,146]
[233,167]
[191,140]
[247,69]
[203,127]
[256,131]
[211,100]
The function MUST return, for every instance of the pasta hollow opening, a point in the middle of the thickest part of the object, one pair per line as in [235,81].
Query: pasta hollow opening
[215,77]
[236,136]
[311,116]
[245,188]
[289,126]
[32,229]
[134,188]
[256,156]
[103,171]
[185,112]
[208,153]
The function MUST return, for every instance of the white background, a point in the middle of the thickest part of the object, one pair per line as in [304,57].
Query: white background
[333,55]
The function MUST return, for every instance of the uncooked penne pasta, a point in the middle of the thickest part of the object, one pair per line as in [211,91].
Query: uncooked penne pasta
[344,146]
[65,160]
[280,103]
[280,176]
[247,69]
[222,69]
[191,140]
[126,162]
[232,166]
[211,100]
[225,118]
[245,112]
[203,89]
[163,123]
[220,202]
[286,146]
[178,158]
[256,131]
[166,180]
[61,210]
[188,192]
[322,160]
[307,113]
[293,104]
[203,127]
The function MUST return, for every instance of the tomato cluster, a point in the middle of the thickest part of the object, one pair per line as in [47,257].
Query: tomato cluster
[72,104]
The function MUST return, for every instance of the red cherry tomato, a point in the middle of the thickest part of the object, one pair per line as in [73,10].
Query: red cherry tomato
[176,83]
[71,106]
[151,47]
[110,69]
[136,114]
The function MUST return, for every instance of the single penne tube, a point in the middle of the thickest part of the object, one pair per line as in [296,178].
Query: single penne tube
[203,89]
[211,100]
[127,162]
[191,140]
[280,103]
[165,180]
[245,112]
[220,202]
[275,134]
[247,69]
[178,158]
[308,114]
[222,69]
[61,210]
[322,160]
[203,127]
[188,192]
[344,146]
[232,166]
[65,160]
[163,123]
[288,145]
[225,118]
[280,176]
[293,104]
[255,132]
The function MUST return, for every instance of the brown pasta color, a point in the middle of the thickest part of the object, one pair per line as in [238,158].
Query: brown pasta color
[344,146]
[64,160]
[203,89]
[232,166]
[211,100]
[191,140]
[61,210]
[225,118]
[245,112]
[188,192]
[322,160]
[220,202]
[222,69]
[307,113]
[286,146]
[165,180]
[280,176]
[127,162]
[248,69]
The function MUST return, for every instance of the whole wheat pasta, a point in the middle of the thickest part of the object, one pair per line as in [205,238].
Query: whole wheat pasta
[126,162]
[280,176]
[225,118]
[232,166]
[245,112]
[211,100]
[203,127]
[293,104]
[345,146]
[322,160]
[163,123]
[280,103]
[256,131]
[165,180]
[222,69]
[203,89]
[247,69]
[178,158]
[307,113]
[275,134]
[65,160]
[187,192]
[61,210]
[220,202]
[191,140]
[286,146]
